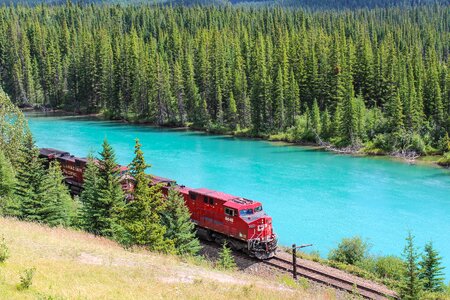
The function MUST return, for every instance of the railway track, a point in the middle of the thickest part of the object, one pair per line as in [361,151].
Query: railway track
[360,287]
[315,272]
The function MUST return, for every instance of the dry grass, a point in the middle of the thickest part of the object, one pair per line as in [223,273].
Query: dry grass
[75,265]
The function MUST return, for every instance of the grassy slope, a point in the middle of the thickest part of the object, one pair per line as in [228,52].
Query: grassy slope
[75,265]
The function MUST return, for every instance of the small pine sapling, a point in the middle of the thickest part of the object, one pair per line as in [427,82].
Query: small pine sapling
[4,251]
[26,279]
[226,259]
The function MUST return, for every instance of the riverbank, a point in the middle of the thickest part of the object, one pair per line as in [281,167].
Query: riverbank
[278,139]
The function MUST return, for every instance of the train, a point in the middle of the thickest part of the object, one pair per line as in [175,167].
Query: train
[219,217]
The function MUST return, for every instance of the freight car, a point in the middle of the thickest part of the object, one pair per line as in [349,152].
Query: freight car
[218,216]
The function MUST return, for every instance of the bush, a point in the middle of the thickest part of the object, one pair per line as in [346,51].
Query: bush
[445,160]
[390,267]
[350,251]
[26,279]
[417,144]
[370,149]
[226,259]
[4,251]
[381,141]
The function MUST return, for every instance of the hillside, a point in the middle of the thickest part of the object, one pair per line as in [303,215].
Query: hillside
[72,264]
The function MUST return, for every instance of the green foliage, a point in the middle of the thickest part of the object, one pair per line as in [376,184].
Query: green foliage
[226,259]
[110,197]
[29,174]
[4,251]
[13,127]
[350,251]
[55,200]
[180,229]
[89,197]
[389,267]
[215,69]
[140,217]
[431,270]
[444,143]
[445,160]
[411,285]
[7,184]
[26,279]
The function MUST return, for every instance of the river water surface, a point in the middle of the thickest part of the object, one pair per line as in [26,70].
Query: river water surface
[313,196]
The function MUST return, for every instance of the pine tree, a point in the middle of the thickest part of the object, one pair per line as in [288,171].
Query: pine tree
[56,204]
[431,270]
[30,172]
[226,259]
[232,111]
[7,184]
[89,196]
[432,90]
[110,196]
[278,104]
[411,286]
[141,215]
[13,128]
[349,121]
[315,118]
[180,229]
[327,128]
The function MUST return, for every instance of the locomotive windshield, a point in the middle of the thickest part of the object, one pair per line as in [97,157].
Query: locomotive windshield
[259,208]
[246,212]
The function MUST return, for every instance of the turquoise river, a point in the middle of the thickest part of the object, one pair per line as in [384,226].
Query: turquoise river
[313,196]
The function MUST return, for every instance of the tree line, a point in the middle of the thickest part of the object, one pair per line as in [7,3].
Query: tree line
[31,191]
[376,78]
[415,275]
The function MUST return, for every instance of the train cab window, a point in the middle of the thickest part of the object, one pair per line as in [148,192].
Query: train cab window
[208,200]
[259,208]
[246,212]
[229,212]
[193,196]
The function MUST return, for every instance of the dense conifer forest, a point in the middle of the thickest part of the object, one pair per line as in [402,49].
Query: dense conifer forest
[376,78]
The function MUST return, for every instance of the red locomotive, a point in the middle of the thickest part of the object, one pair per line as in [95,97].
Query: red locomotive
[218,216]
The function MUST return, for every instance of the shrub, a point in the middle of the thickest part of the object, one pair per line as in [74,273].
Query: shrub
[381,141]
[370,149]
[350,251]
[288,281]
[226,259]
[4,251]
[417,144]
[390,267]
[26,279]
[445,160]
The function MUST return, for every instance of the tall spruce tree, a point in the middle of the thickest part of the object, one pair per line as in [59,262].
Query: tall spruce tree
[411,285]
[431,270]
[89,196]
[56,203]
[110,196]
[141,216]
[30,172]
[180,229]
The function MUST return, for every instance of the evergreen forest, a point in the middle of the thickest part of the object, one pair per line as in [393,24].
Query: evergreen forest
[372,79]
